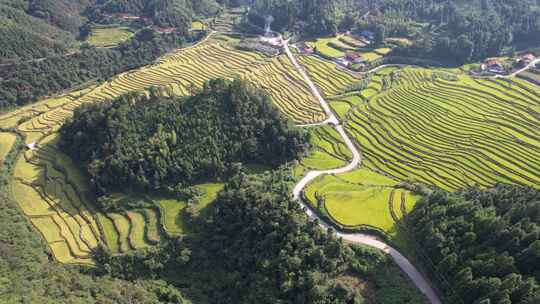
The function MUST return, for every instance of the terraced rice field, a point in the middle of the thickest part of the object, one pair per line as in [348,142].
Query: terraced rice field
[55,195]
[336,47]
[532,75]
[439,132]
[330,79]
[187,68]
[324,48]
[451,134]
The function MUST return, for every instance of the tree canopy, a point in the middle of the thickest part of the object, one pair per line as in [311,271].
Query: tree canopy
[152,142]
[486,242]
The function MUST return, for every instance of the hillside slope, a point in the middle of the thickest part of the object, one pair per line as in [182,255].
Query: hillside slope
[25,37]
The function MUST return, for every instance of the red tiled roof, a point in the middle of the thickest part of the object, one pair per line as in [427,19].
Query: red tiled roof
[493,61]
[529,56]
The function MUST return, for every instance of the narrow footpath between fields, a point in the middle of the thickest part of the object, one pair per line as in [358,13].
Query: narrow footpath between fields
[418,279]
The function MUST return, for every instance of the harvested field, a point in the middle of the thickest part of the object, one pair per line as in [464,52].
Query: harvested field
[6,142]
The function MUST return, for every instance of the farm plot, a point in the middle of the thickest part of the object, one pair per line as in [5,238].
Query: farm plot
[451,134]
[361,198]
[326,47]
[6,142]
[328,150]
[330,79]
[109,36]
[54,195]
[186,69]
[173,219]
[532,75]
[448,132]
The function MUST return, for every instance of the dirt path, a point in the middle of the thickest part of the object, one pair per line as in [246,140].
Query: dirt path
[530,65]
[358,238]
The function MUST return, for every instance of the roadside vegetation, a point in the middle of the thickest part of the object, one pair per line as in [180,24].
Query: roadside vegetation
[253,217]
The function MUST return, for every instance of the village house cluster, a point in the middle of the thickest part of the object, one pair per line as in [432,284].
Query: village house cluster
[351,58]
[496,66]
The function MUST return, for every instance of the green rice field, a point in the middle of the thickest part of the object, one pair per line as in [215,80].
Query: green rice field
[6,142]
[444,132]
[171,209]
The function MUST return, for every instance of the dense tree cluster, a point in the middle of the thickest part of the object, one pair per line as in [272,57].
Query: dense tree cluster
[27,81]
[465,31]
[65,14]
[152,142]
[486,242]
[256,245]
[314,17]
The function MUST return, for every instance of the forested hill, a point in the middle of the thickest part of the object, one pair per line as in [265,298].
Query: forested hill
[33,29]
[27,81]
[485,242]
[452,31]
[166,13]
[152,142]
[25,36]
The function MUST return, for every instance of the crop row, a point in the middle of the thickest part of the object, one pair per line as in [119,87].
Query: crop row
[54,195]
[330,79]
[189,68]
[451,134]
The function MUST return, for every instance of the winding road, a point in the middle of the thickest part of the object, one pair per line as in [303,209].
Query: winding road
[358,238]
[532,64]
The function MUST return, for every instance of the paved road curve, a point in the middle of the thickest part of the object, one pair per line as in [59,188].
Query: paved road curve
[418,279]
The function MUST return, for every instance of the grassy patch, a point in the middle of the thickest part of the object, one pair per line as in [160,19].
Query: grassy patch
[171,209]
[340,108]
[6,142]
[109,36]
[197,25]
[322,46]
